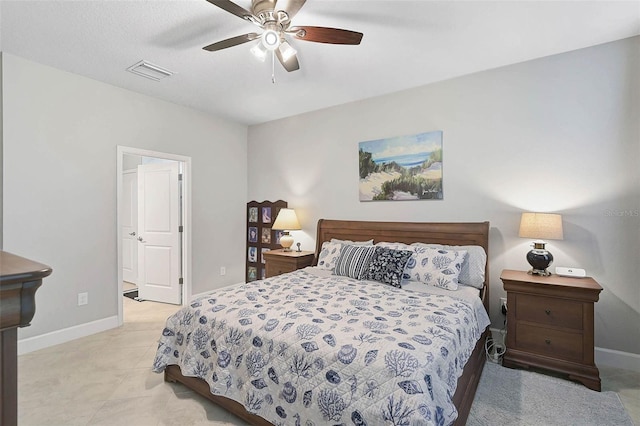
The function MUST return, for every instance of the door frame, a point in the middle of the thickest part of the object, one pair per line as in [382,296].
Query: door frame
[125,173]
[186,218]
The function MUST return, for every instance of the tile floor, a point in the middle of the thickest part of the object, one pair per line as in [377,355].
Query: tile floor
[106,379]
[128,286]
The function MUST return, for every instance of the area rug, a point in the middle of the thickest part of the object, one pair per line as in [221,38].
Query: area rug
[518,397]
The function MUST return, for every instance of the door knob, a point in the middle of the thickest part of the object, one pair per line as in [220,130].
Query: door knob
[140,239]
[133,234]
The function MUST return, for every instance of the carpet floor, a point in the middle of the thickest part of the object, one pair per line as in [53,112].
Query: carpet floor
[518,397]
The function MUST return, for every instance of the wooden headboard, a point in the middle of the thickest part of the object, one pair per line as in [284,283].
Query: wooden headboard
[455,234]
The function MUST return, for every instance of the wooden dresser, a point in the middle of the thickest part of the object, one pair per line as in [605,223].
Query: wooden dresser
[19,280]
[550,324]
[280,261]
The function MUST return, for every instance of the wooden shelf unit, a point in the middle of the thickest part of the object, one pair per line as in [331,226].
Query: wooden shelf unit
[260,237]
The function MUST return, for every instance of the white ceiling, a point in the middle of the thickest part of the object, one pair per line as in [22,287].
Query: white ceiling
[406,44]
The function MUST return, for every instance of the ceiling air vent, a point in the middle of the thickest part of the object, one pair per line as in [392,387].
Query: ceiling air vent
[149,70]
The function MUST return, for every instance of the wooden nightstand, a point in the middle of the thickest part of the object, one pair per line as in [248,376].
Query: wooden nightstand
[280,262]
[550,324]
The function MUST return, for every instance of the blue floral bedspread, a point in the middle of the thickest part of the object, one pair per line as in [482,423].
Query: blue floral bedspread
[300,349]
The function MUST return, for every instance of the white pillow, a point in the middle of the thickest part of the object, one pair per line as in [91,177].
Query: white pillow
[330,252]
[353,243]
[473,268]
[395,246]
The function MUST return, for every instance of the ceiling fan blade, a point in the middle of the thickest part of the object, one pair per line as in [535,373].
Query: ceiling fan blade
[326,35]
[234,9]
[291,64]
[230,42]
[290,6]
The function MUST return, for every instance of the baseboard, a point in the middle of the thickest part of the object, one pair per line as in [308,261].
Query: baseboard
[195,296]
[204,293]
[617,359]
[57,337]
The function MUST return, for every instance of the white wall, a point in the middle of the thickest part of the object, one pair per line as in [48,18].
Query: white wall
[558,134]
[60,136]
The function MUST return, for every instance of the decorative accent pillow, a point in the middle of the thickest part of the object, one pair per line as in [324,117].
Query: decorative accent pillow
[387,265]
[330,252]
[436,267]
[473,267]
[329,255]
[354,261]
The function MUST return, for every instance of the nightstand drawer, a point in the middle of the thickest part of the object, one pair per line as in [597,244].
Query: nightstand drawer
[549,311]
[280,262]
[550,342]
[278,268]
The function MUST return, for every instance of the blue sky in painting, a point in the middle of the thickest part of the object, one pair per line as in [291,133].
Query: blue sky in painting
[403,146]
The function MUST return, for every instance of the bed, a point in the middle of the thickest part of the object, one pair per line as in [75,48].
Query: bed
[326,349]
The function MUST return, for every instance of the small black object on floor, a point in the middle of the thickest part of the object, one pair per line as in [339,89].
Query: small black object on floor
[132,294]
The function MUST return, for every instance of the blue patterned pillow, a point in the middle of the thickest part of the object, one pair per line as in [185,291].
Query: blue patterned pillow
[330,251]
[354,261]
[436,267]
[329,254]
[473,267]
[387,265]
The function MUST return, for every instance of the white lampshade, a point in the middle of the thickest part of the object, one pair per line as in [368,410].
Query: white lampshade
[547,226]
[287,51]
[286,221]
[544,226]
[259,51]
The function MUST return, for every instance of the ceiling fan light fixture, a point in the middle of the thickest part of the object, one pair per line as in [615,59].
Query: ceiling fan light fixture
[274,18]
[287,51]
[259,51]
[271,39]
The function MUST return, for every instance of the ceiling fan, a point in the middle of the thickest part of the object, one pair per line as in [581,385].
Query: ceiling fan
[274,17]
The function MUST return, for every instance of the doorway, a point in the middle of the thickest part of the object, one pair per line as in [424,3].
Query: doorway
[153,235]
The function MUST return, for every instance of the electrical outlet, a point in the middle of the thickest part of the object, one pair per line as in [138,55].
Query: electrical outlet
[503,305]
[83,299]
[223,270]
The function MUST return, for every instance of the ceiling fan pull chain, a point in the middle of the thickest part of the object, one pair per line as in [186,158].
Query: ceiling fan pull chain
[273,67]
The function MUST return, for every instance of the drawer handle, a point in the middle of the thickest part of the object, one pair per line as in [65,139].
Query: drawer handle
[547,311]
[547,341]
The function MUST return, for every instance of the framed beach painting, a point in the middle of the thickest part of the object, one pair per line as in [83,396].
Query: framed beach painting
[401,168]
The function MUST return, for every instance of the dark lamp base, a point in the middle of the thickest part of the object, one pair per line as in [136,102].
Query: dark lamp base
[539,259]
[542,273]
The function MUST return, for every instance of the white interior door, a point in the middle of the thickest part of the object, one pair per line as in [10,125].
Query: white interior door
[158,233]
[129,222]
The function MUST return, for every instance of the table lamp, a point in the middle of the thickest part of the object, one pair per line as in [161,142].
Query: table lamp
[286,221]
[547,226]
